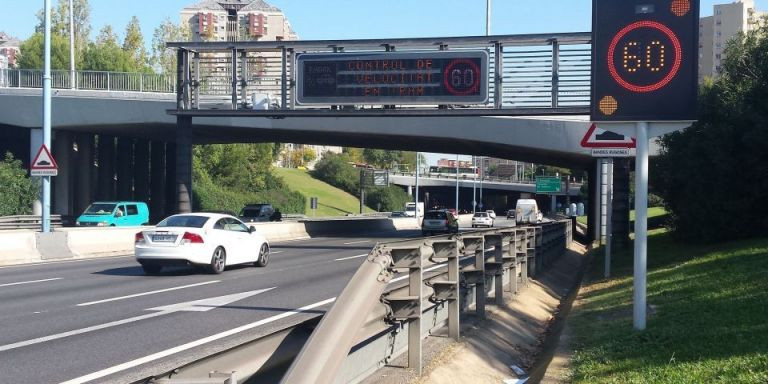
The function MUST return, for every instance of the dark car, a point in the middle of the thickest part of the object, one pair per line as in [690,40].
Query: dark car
[439,221]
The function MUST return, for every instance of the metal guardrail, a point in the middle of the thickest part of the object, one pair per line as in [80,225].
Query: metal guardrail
[526,72]
[90,80]
[445,275]
[27,222]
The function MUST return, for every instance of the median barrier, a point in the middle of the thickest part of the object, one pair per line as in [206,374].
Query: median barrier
[18,247]
[280,231]
[93,242]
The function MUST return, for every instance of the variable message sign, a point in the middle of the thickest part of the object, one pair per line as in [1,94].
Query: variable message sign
[433,77]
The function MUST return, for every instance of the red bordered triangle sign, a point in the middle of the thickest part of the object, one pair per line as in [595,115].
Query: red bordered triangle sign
[600,138]
[43,161]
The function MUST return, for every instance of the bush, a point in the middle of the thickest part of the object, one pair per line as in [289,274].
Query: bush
[211,197]
[387,199]
[17,191]
[335,170]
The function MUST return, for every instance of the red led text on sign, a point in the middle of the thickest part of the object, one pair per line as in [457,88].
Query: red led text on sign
[637,55]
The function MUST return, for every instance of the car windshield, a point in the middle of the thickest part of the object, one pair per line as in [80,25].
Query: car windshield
[434,215]
[100,209]
[409,209]
[188,221]
[481,214]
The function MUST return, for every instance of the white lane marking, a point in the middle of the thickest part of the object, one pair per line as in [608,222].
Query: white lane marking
[147,293]
[30,282]
[351,257]
[190,345]
[190,306]
[357,242]
[65,261]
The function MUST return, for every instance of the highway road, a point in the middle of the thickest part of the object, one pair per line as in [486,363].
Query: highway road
[103,320]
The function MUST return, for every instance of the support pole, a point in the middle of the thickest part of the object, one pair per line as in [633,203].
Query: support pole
[184,164]
[72,78]
[46,214]
[641,225]
[609,218]
[457,184]
[416,197]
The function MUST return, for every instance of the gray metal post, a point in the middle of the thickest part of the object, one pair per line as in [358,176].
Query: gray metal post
[480,287]
[234,78]
[498,79]
[488,17]
[284,80]
[609,218]
[46,216]
[555,73]
[641,225]
[498,257]
[596,200]
[457,184]
[71,46]
[454,309]
[416,197]
[244,78]
[196,82]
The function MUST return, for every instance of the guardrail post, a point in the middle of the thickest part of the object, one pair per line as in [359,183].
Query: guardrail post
[448,290]
[508,259]
[475,273]
[522,254]
[493,267]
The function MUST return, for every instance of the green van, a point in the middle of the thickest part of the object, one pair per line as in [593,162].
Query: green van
[114,214]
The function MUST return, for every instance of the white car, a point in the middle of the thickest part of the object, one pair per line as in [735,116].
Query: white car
[491,213]
[482,219]
[213,240]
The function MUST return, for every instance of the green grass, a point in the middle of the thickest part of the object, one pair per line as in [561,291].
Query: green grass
[331,201]
[652,212]
[708,321]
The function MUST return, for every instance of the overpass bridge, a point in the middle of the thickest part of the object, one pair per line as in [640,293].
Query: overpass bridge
[129,136]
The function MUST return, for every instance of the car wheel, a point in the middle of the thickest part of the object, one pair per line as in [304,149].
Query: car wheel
[218,261]
[263,256]
[151,269]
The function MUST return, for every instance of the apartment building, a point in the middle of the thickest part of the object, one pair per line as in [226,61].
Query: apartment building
[9,49]
[236,20]
[727,21]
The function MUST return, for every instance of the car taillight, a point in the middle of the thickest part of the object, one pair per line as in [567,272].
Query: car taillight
[139,238]
[191,238]
[447,222]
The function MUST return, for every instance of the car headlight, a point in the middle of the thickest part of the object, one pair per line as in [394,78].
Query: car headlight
[77,223]
[101,224]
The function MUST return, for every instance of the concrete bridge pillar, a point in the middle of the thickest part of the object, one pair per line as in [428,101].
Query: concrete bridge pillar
[184,164]
[62,184]
[141,170]
[157,181]
[106,173]
[84,187]
[124,168]
[170,179]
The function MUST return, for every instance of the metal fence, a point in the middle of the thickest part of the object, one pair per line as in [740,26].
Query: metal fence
[525,71]
[89,80]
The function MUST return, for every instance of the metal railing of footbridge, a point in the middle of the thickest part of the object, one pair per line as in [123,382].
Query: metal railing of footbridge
[528,75]
[90,80]
[378,316]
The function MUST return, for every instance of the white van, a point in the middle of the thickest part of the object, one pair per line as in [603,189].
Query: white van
[527,211]
[410,209]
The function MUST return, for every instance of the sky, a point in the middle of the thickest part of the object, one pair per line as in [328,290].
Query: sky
[348,19]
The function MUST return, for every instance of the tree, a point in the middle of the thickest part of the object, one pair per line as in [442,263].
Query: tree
[335,169]
[60,23]
[31,52]
[355,154]
[712,175]
[18,191]
[163,60]
[134,43]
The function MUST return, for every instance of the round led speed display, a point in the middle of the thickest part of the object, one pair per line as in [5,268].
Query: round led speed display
[644,56]
[461,77]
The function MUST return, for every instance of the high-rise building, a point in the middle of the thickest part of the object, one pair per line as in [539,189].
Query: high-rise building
[727,21]
[236,20]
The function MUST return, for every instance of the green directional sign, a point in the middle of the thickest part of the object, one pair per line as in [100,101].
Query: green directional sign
[547,184]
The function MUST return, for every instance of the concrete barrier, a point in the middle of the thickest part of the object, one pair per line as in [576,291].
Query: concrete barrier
[27,246]
[18,247]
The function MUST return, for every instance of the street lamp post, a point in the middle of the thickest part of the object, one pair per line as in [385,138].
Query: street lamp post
[71,46]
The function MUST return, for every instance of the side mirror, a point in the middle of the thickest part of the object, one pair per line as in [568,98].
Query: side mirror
[251,229]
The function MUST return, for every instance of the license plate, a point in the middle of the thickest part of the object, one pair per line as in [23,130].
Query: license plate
[164,238]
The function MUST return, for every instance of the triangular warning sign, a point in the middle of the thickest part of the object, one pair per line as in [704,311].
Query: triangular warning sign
[600,138]
[43,160]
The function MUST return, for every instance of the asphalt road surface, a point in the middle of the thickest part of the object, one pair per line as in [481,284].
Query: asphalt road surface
[103,320]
